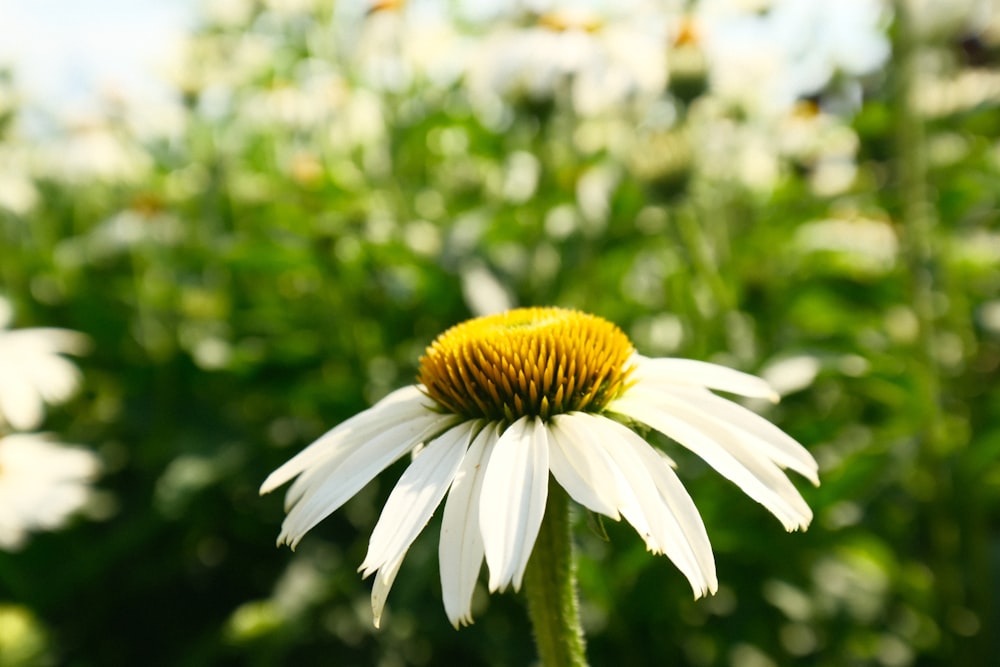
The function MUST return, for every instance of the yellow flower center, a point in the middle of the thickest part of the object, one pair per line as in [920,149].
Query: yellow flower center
[529,361]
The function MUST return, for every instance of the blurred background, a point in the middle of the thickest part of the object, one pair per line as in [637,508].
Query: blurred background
[258,212]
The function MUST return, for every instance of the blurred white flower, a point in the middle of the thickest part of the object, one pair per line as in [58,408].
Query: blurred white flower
[767,55]
[42,483]
[594,191]
[17,192]
[988,315]
[392,44]
[756,151]
[604,60]
[949,93]
[946,18]
[292,6]
[361,122]
[291,106]
[32,372]
[978,248]
[93,150]
[160,119]
[731,150]
[522,172]
[821,141]
[484,293]
[228,13]
[214,67]
[787,375]
[118,234]
[861,244]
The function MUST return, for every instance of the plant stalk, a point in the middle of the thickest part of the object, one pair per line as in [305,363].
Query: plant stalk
[550,585]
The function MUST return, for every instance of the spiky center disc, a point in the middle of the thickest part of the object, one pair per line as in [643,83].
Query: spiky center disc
[529,361]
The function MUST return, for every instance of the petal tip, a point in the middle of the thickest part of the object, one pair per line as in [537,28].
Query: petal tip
[462,621]
[802,525]
[268,485]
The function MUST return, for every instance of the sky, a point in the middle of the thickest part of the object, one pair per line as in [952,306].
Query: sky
[66,53]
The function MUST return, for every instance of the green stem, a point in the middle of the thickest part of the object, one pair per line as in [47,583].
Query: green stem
[952,531]
[919,219]
[550,585]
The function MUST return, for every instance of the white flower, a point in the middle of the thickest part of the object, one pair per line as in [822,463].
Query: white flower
[506,399]
[757,151]
[18,193]
[934,19]
[93,150]
[42,483]
[32,373]
[865,245]
[604,60]
[768,59]
[391,45]
[122,232]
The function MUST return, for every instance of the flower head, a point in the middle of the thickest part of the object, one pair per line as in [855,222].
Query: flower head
[505,400]
[530,362]
[32,372]
[42,483]
[604,59]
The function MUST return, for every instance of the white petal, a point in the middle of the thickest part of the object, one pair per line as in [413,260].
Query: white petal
[760,433]
[400,405]
[55,378]
[325,488]
[683,511]
[581,466]
[46,340]
[701,374]
[460,552]
[416,495]
[20,403]
[513,500]
[657,505]
[380,589]
[637,495]
[33,372]
[756,475]
[42,483]
[347,443]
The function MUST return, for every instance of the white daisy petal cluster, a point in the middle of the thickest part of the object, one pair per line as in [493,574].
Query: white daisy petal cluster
[768,54]
[603,58]
[33,373]
[505,400]
[673,397]
[42,483]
